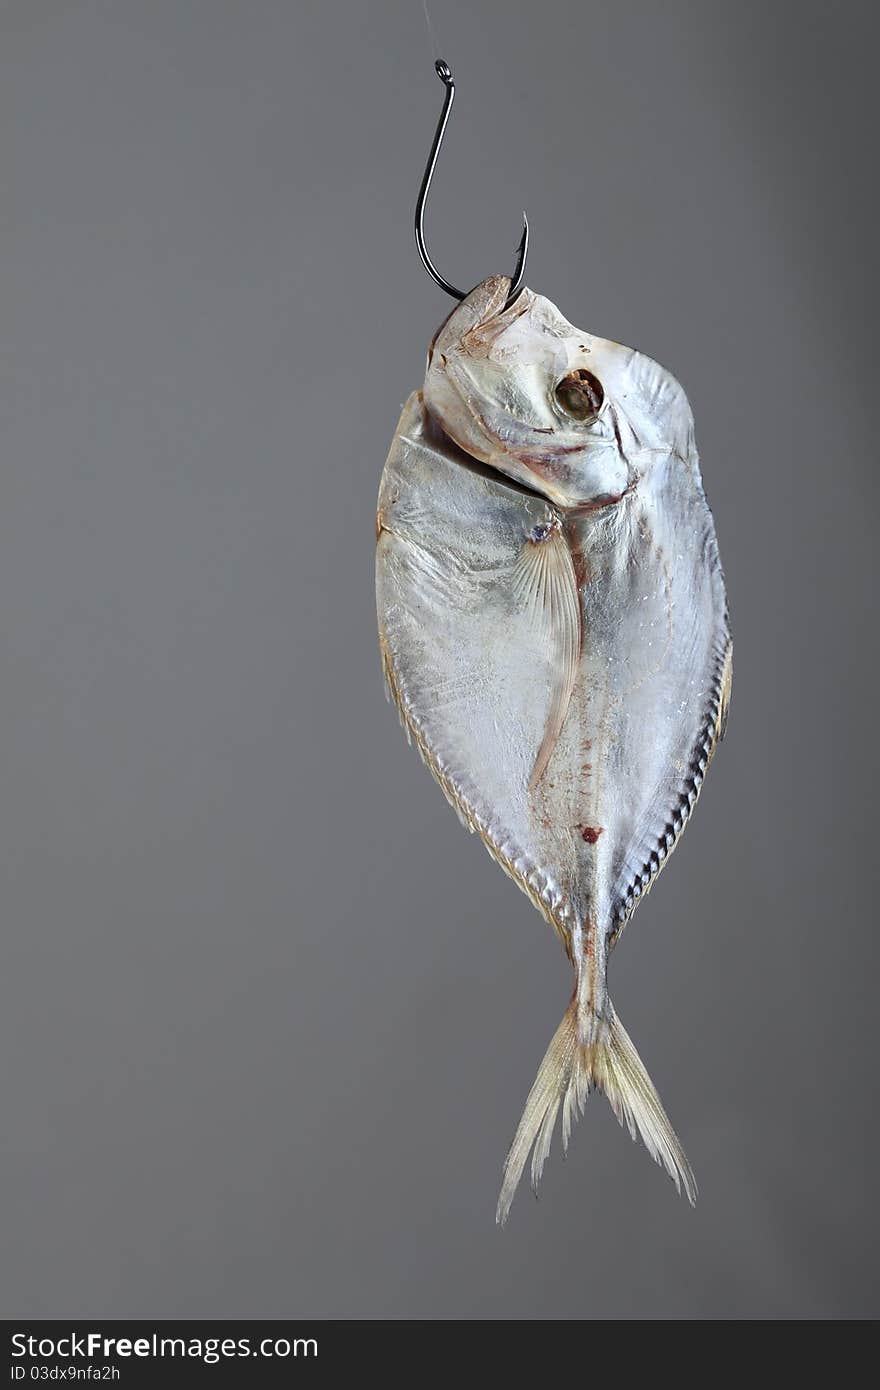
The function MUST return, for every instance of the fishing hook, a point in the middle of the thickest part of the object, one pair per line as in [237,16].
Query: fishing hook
[444,72]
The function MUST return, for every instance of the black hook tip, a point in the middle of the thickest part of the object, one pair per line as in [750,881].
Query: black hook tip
[522,252]
[443,71]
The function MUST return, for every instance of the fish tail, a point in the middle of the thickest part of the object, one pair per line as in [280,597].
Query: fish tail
[565,1077]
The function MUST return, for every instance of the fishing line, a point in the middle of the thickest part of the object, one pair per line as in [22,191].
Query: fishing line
[432,33]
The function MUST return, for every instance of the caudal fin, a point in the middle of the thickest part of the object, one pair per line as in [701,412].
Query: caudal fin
[569,1070]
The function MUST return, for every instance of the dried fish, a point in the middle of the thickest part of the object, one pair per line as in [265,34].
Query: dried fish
[554,631]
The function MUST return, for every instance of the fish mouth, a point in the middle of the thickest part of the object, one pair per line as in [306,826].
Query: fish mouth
[463,459]
[489,471]
[548,491]
[598,504]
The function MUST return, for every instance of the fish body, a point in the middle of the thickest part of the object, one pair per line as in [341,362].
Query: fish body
[553,626]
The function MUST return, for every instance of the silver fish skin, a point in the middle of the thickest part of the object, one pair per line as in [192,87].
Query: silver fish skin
[554,632]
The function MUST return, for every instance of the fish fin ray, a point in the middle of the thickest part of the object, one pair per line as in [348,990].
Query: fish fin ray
[618,1070]
[544,583]
[724,704]
[565,1076]
[548,1089]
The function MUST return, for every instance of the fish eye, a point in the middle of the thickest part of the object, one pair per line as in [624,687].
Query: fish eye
[580,395]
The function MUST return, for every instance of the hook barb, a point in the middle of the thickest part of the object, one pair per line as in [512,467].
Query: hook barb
[444,72]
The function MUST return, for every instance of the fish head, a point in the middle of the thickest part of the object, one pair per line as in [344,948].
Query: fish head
[579,419]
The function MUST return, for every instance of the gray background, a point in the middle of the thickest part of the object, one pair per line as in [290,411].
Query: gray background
[268,1016]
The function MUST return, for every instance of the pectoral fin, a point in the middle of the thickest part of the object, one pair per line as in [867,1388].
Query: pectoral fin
[545,585]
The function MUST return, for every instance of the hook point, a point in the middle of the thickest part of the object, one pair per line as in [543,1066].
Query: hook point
[443,71]
[522,252]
